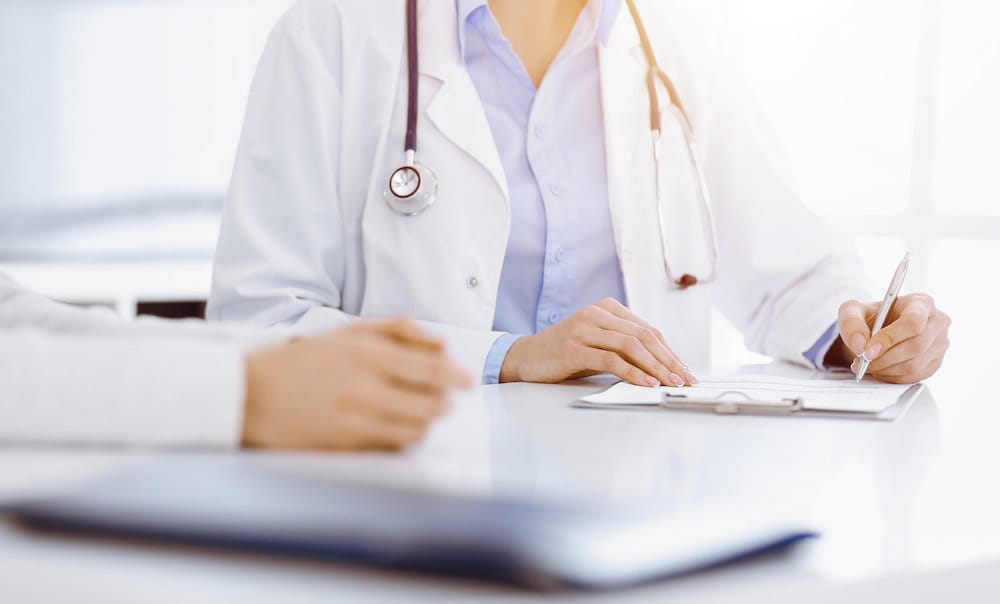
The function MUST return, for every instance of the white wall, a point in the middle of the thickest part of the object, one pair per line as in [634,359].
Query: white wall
[124,111]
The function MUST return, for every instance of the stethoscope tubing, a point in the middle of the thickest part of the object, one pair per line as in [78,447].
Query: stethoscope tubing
[398,201]
[413,73]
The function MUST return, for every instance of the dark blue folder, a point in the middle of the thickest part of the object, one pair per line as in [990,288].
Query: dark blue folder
[230,501]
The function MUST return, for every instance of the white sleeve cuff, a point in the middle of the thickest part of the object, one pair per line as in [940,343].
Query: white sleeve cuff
[85,390]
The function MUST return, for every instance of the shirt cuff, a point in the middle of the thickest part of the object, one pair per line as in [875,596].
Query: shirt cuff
[817,353]
[495,357]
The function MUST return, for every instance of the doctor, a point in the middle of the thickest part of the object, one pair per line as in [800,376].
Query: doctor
[535,180]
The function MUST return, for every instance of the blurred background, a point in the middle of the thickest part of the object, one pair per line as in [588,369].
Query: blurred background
[119,120]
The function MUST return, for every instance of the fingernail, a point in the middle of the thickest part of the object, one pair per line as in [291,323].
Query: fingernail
[676,380]
[854,366]
[873,351]
[652,382]
[690,377]
[857,343]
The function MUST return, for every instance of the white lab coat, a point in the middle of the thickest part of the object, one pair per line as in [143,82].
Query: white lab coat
[83,376]
[308,240]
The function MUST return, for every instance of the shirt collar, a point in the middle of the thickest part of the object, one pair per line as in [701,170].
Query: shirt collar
[470,10]
[465,10]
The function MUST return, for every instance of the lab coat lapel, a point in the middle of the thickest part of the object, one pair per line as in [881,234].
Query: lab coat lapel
[455,108]
[632,192]
[626,121]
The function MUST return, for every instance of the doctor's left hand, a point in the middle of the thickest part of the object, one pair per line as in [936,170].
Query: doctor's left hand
[605,337]
[909,348]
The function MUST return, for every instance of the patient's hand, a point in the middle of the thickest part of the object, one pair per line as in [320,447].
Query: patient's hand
[373,385]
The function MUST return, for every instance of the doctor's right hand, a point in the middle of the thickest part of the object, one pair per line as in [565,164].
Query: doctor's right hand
[372,385]
[603,338]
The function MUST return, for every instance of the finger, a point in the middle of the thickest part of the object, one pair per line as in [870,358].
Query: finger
[912,320]
[368,432]
[650,340]
[630,316]
[621,319]
[406,331]
[918,375]
[853,324]
[392,437]
[406,406]
[911,348]
[356,431]
[635,352]
[915,365]
[416,368]
[618,309]
[605,361]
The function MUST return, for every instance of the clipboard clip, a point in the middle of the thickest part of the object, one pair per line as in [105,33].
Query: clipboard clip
[732,402]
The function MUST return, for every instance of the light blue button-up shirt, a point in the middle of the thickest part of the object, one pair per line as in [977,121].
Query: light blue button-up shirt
[561,253]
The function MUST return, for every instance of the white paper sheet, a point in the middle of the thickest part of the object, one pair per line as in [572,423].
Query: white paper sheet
[817,394]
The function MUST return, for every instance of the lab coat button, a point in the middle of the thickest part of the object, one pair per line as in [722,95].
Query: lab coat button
[539,132]
[554,188]
[560,254]
[553,318]
[473,282]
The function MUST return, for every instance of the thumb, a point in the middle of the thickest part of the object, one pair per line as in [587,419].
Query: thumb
[854,330]
[407,331]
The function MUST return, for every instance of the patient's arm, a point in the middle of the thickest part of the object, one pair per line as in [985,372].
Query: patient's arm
[76,376]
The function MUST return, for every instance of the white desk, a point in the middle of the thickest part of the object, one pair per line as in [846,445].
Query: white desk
[909,509]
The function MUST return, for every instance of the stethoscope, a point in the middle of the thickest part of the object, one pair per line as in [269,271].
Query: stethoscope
[412,187]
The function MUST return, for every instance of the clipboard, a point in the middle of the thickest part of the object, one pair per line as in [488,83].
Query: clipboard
[737,402]
[732,402]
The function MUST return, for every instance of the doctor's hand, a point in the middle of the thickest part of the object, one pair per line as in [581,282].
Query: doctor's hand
[910,346]
[373,385]
[602,338]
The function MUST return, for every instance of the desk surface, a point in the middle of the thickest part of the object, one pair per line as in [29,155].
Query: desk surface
[908,508]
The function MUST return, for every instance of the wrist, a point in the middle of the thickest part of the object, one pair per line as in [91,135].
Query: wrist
[253,365]
[510,370]
[839,355]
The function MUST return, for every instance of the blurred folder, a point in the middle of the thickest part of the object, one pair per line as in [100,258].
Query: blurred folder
[231,502]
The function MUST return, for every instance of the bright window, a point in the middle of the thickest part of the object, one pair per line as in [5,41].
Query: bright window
[887,110]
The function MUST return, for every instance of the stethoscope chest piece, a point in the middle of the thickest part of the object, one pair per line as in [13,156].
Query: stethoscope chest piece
[412,188]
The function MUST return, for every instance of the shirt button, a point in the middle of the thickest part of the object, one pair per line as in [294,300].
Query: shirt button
[553,318]
[560,254]
[554,188]
[473,282]
[539,132]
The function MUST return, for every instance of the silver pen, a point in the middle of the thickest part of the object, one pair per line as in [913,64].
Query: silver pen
[883,310]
